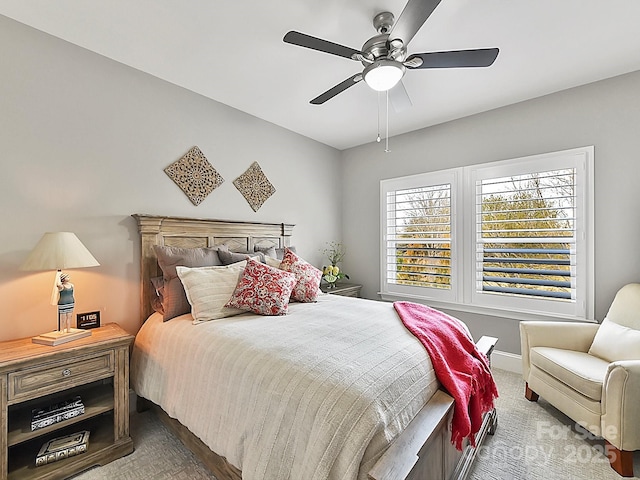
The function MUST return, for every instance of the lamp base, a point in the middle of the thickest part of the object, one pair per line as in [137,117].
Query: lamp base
[59,337]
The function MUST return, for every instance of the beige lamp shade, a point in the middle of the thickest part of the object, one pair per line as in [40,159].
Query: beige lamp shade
[57,251]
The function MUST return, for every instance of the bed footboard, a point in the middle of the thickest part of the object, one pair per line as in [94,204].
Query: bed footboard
[424,448]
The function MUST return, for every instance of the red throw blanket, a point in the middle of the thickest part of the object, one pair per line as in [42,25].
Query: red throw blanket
[460,367]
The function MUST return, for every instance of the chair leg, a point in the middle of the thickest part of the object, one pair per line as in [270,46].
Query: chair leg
[621,460]
[530,394]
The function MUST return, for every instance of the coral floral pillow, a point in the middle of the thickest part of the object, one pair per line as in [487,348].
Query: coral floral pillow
[263,289]
[307,276]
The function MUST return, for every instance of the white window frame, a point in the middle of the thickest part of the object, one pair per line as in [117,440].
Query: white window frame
[451,177]
[463,295]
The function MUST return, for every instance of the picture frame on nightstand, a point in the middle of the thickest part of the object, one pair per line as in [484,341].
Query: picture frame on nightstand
[86,321]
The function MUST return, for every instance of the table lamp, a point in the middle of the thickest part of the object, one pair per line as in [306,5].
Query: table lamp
[55,251]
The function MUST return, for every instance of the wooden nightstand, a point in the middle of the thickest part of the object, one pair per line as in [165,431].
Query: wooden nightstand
[344,289]
[36,376]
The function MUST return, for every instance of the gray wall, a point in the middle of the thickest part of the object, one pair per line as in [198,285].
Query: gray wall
[84,141]
[83,144]
[605,114]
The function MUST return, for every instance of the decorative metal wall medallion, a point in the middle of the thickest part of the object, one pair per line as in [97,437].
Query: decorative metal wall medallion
[254,186]
[194,175]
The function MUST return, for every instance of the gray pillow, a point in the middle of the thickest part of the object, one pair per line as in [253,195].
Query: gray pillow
[280,252]
[274,252]
[227,257]
[157,294]
[267,251]
[174,300]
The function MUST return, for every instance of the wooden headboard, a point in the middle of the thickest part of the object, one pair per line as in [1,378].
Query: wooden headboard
[194,233]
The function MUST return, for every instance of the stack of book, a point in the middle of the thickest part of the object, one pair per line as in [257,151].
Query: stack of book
[63,447]
[43,417]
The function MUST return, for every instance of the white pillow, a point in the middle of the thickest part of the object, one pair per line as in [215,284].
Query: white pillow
[208,289]
[616,342]
[272,262]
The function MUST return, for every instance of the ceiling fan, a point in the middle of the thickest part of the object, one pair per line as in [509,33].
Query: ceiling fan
[384,56]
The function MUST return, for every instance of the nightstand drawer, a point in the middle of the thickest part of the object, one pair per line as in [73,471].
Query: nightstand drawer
[60,375]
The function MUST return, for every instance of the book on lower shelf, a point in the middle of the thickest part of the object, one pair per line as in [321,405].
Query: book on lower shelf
[63,447]
[43,417]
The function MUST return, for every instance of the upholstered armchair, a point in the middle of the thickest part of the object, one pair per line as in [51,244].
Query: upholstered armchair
[591,373]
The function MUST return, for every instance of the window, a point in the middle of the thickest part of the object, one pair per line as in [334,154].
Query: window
[514,235]
[418,240]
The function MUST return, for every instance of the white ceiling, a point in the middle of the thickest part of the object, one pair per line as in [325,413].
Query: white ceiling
[232,51]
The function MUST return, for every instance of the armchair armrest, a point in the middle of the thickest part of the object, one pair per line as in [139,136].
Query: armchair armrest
[620,407]
[576,336]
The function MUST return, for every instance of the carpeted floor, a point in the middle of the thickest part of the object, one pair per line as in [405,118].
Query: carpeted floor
[533,442]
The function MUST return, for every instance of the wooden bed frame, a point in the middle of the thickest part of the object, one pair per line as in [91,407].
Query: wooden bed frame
[422,450]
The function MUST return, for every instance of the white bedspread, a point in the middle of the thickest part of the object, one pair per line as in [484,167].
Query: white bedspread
[316,394]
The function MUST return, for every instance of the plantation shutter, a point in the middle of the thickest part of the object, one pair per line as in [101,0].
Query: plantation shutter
[526,235]
[418,237]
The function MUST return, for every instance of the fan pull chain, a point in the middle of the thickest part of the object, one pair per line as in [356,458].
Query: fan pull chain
[378,137]
[386,149]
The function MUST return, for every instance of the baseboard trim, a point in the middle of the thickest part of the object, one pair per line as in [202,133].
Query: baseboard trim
[506,361]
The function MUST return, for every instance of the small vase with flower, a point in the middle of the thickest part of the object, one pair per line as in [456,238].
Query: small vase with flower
[331,274]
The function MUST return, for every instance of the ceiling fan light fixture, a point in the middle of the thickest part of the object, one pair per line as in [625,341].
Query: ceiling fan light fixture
[383,75]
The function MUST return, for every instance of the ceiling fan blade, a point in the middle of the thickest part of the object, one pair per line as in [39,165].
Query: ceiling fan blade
[400,98]
[481,57]
[304,40]
[339,88]
[411,19]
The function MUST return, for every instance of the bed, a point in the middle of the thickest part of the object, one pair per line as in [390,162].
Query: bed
[274,405]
